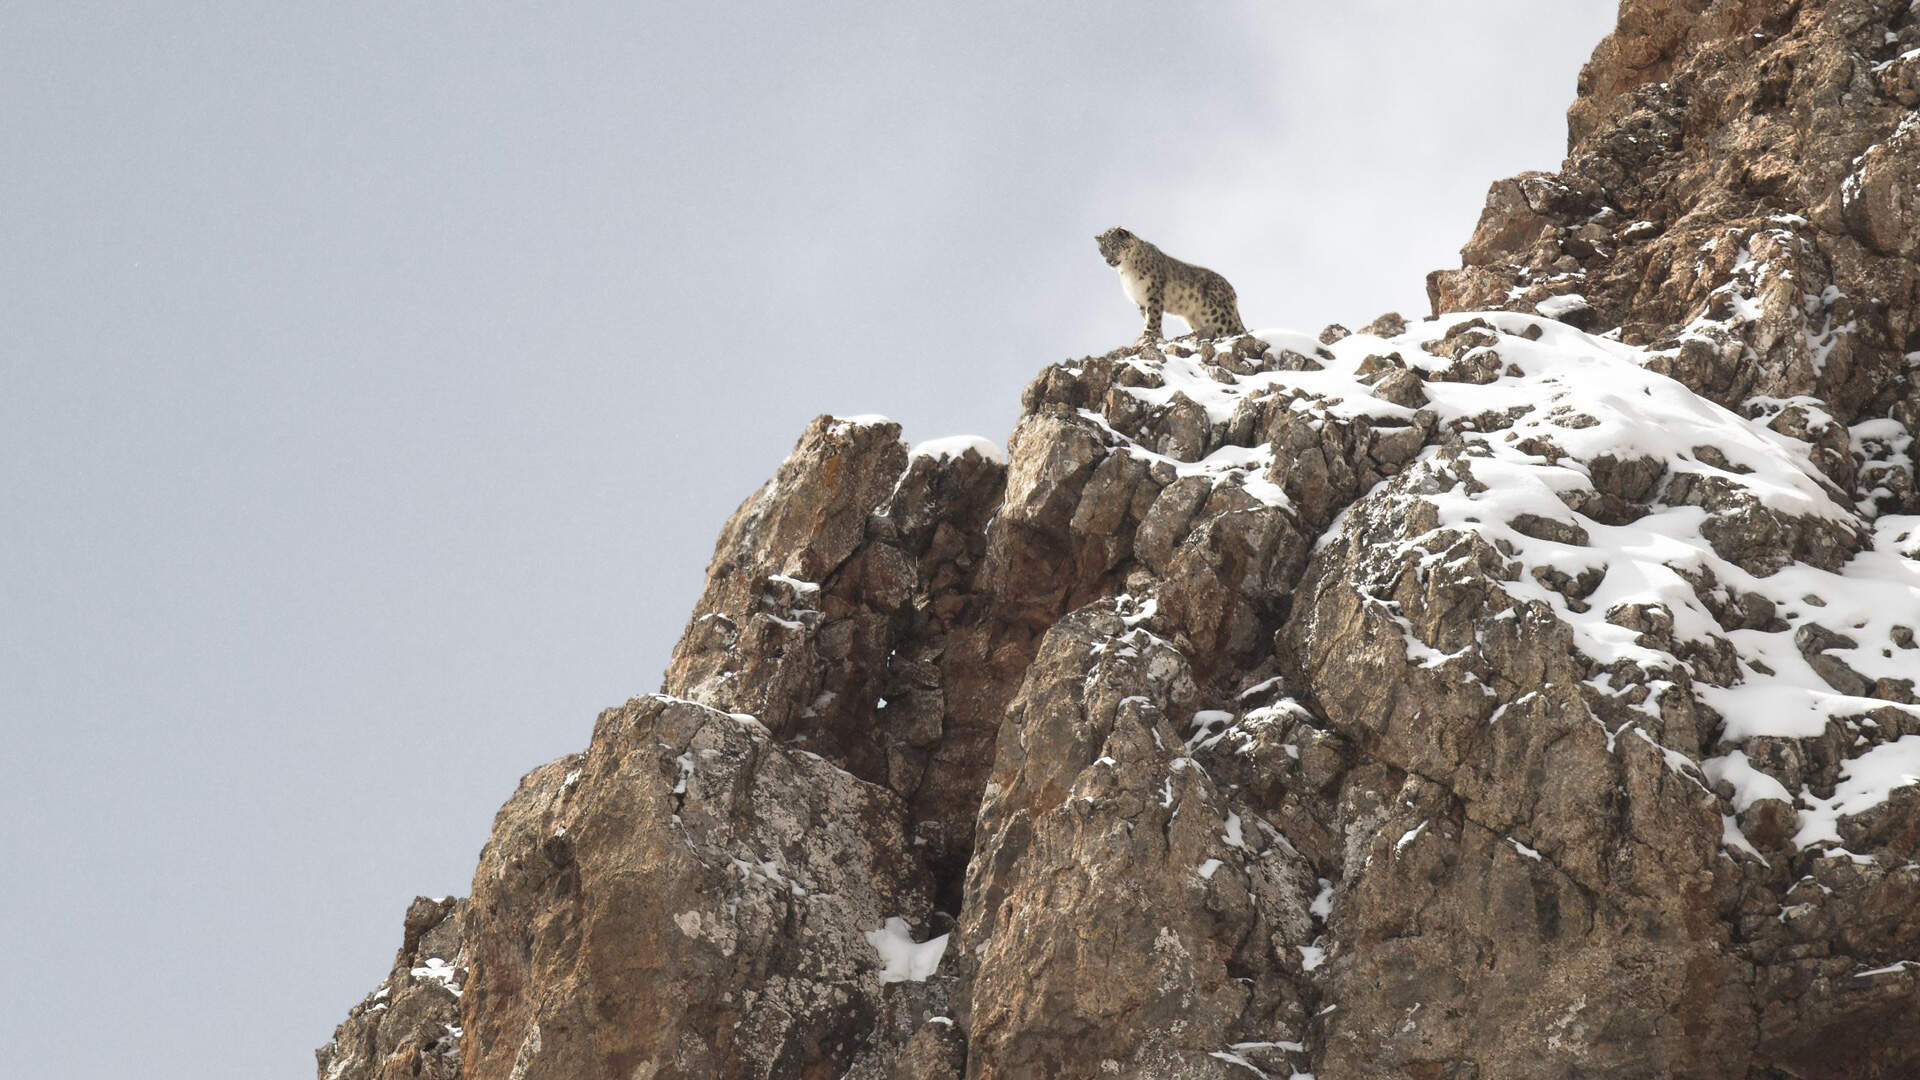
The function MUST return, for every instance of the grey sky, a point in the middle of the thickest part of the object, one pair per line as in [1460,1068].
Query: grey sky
[377,376]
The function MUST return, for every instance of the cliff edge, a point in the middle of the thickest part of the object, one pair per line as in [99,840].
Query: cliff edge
[1523,691]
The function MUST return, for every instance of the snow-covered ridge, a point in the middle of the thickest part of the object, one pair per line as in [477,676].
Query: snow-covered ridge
[1733,561]
[954,446]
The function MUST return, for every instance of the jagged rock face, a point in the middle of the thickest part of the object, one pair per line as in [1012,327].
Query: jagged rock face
[686,899]
[1523,692]
[410,1025]
[1739,195]
[849,587]
[1120,914]
[1523,868]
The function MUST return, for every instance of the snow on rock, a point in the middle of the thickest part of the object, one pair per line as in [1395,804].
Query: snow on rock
[410,1024]
[1409,837]
[1673,536]
[1569,677]
[903,959]
[1749,784]
[858,420]
[1554,307]
[1702,587]
[1322,906]
[1688,548]
[439,971]
[1865,782]
[731,847]
[954,446]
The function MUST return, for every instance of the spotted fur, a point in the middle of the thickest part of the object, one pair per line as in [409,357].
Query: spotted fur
[1159,283]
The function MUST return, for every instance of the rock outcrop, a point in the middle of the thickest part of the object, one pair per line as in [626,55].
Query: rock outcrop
[1742,197]
[410,1025]
[1525,691]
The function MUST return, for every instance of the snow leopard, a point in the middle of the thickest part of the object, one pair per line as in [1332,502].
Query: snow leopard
[1157,282]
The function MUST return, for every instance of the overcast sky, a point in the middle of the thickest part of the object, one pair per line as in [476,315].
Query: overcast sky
[378,375]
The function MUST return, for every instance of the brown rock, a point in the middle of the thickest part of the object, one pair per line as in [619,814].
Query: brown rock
[1735,171]
[936,1052]
[688,898]
[410,1025]
[1502,849]
[1391,324]
[1119,910]
[1222,740]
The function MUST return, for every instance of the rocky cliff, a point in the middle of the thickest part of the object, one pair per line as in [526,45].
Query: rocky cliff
[1526,691]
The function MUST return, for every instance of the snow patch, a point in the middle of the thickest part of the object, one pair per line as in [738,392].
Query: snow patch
[1322,906]
[954,446]
[1901,965]
[1865,782]
[1524,849]
[1409,837]
[437,970]
[1234,837]
[902,958]
[1554,307]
